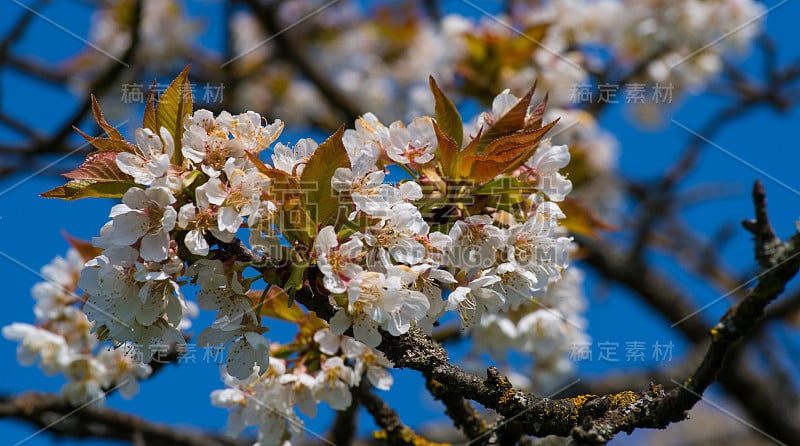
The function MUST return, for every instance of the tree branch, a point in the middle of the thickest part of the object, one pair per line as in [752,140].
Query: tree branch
[54,414]
[737,323]
[394,432]
[589,418]
[463,414]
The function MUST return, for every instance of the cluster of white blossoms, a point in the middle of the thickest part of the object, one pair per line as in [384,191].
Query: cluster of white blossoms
[385,62]
[395,271]
[547,328]
[566,46]
[268,397]
[680,43]
[390,226]
[134,284]
[394,86]
[64,343]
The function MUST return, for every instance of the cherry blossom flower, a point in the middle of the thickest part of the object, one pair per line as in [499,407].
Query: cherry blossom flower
[475,299]
[151,160]
[376,300]
[371,362]
[334,383]
[57,292]
[546,162]
[147,215]
[293,160]
[365,185]
[475,243]
[415,144]
[337,262]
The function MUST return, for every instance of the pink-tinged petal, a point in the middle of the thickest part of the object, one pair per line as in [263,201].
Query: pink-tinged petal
[134,166]
[334,283]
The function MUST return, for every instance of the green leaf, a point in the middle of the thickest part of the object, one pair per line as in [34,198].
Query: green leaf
[174,104]
[297,277]
[317,175]
[100,166]
[503,185]
[150,121]
[447,115]
[190,178]
[76,189]
[295,224]
[277,304]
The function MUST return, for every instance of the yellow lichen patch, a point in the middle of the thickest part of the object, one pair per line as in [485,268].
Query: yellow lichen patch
[621,399]
[656,388]
[407,436]
[502,382]
[509,396]
[580,400]
[436,387]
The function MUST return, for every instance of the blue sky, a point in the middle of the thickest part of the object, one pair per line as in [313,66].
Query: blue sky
[33,225]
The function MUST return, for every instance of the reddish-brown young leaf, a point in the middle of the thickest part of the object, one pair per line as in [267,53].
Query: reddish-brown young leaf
[447,116]
[84,247]
[112,132]
[448,153]
[107,144]
[502,155]
[537,115]
[76,189]
[511,122]
[99,166]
